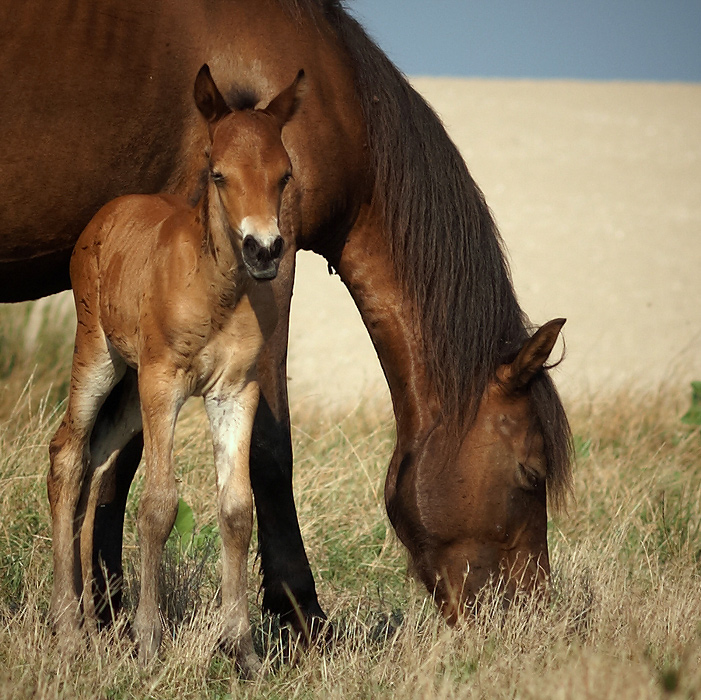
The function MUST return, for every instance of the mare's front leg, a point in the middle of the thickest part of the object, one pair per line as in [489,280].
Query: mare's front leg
[163,391]
[112,451]
[231,418]
[288,584]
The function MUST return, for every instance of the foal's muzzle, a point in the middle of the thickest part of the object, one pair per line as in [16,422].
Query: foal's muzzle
[262,259]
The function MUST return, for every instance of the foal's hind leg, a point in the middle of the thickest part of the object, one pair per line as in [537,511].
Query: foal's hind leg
[117,423]
[96,369]
[231,418]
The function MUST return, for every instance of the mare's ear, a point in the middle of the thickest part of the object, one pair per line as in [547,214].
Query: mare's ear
[208,98]
[283,107]
[531,357]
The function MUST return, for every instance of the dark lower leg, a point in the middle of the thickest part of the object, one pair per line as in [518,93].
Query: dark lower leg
[119,418]
[288,584]
[107,538]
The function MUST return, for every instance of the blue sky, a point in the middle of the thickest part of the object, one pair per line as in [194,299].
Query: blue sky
[656,40]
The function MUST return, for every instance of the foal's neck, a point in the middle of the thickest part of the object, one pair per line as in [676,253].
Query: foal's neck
[220,240]
[221,245]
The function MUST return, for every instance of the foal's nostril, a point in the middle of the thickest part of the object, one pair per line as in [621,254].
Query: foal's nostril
[250,245]
[262,260]
[276,248]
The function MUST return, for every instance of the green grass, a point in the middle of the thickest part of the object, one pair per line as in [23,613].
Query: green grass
[623,620]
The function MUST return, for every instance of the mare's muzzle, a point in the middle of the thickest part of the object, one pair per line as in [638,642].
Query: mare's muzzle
[262,259]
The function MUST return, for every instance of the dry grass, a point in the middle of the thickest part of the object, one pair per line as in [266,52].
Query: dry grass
[624,619]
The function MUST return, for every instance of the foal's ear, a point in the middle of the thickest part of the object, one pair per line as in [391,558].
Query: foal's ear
[208,98]
[283,107]
[531,357]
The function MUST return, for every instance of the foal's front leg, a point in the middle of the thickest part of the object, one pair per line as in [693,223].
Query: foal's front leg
[163,392]
[231,416]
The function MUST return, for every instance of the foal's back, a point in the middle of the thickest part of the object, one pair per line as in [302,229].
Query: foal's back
[138,268]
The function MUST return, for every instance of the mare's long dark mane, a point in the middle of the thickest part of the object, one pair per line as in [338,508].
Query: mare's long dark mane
[445,246]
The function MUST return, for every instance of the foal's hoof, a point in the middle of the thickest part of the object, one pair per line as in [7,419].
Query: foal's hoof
[66,621]
[147,643]
[241,650]
[249,666]
[147,652]
[70,644]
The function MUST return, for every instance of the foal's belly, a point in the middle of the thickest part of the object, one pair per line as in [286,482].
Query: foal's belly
[223,361]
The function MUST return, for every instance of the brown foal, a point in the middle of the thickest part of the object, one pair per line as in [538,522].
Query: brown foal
[172,302]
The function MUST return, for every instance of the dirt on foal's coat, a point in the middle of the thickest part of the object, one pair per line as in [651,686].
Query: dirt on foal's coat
[171,303]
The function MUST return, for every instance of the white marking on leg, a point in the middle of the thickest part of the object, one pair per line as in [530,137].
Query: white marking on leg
[231,416]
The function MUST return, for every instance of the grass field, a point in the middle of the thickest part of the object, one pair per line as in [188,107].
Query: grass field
[623,621]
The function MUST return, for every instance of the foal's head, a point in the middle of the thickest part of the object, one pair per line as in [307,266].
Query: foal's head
[249,169]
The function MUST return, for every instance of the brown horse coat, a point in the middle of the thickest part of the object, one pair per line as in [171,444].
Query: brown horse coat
[96,103]
[172,292]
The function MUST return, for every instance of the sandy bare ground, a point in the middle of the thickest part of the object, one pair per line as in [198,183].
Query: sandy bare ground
[596,188]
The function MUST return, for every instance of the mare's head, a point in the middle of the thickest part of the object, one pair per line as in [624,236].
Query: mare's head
[249,169]
[471,508]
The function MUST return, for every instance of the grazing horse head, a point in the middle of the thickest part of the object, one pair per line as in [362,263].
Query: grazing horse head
[476,511]
[248,170]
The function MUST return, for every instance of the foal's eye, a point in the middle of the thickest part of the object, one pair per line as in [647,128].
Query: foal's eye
[285,179]
[217,178]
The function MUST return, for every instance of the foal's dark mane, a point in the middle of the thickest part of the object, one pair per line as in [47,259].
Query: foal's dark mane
[445,246]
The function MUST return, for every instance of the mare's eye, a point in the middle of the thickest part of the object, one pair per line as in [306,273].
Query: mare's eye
[217,178]
[285,179]
[528,477]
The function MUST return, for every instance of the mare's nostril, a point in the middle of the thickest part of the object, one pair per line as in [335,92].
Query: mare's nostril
[276,248]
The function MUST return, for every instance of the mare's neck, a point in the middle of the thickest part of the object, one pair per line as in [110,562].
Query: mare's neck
[366,269]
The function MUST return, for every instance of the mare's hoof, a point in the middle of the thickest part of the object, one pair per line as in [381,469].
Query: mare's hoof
[311,630]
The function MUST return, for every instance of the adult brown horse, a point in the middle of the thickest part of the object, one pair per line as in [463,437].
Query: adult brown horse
[96,103]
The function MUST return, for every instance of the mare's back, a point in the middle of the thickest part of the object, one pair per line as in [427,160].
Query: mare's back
[108,122]
[115,114]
